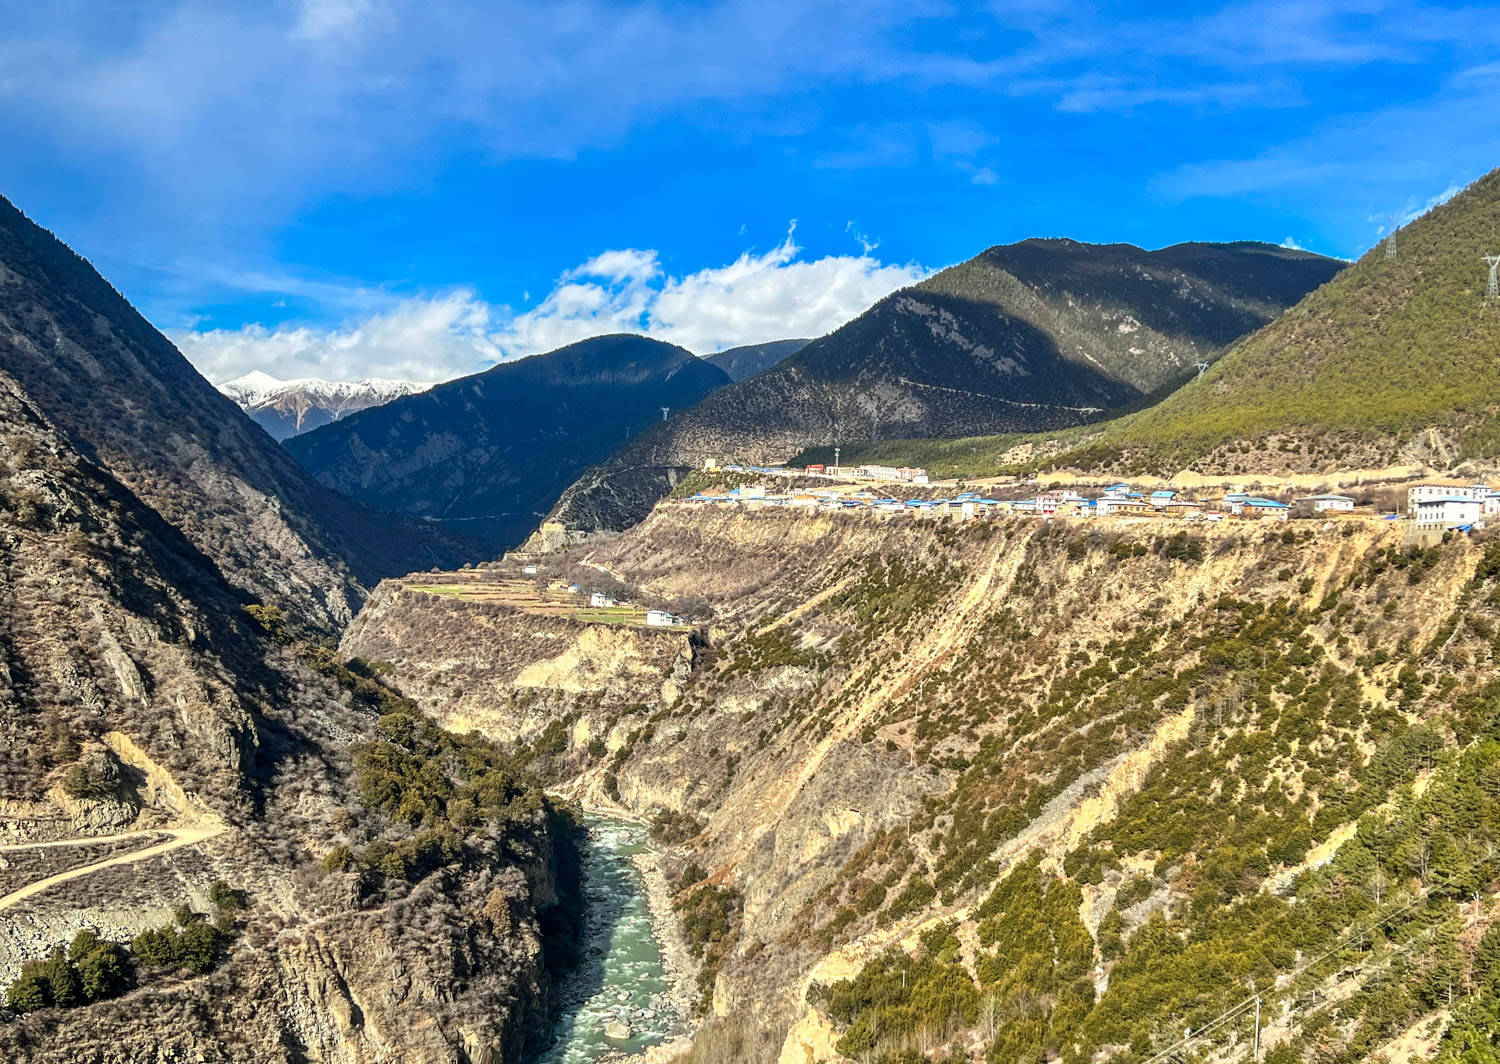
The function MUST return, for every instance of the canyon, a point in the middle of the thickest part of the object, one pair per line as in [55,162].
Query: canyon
[881,728]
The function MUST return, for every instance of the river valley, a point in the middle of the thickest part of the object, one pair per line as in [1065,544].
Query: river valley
[620,1000]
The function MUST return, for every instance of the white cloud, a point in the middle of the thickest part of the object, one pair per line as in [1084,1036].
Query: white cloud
[1292,244]
[318,19]
[759,296]
[428,338]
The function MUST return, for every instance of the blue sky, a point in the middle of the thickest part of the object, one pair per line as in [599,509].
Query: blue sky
[377,187]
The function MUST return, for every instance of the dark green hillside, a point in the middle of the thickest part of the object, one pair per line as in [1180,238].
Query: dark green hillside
[1392,360]
[489,454]
[747,361]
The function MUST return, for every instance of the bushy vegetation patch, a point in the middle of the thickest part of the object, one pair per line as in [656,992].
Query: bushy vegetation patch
[710,918]
[94,969]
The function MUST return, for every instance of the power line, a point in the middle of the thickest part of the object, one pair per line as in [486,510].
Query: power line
[1349,936]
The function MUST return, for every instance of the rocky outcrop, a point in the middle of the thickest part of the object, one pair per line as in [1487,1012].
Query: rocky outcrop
[474,665]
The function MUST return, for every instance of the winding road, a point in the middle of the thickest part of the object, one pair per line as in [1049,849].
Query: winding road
[180,837]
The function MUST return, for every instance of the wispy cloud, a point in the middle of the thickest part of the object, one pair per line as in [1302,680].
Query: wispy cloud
[759,296]
[1396,161]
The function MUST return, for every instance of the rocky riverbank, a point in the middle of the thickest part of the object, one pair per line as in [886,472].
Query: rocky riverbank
[634,989]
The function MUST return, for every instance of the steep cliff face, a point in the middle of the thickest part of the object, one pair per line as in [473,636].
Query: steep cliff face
[906,749]
[127,399]
[157,739]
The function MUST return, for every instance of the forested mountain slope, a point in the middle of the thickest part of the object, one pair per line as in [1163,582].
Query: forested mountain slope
[1037,335]
[1392,361]
[489,454]
[127,399]
[1024,790]
[747,361]
[210,848]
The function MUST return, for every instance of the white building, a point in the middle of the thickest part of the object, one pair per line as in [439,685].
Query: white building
[1255,506]
[1329,503]
[599,600]
[661,619]
[1447,511]
[529,569]
[1442,489]
[914,475]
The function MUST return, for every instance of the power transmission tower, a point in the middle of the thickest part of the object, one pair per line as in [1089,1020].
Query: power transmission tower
[1202,368]
[1390,239]
[1492,292]
[664,412]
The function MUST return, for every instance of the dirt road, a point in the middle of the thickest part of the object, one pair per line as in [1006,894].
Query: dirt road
[180,837]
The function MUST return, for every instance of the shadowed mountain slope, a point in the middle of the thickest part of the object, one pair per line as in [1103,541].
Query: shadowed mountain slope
[747,361]
[129,401]
[490,453]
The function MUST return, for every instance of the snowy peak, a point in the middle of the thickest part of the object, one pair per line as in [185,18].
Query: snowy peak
[287,408]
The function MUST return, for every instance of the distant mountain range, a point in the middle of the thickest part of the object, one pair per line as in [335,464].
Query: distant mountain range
[286,408]
[491,453]
[129,402]
[1037,335]
[747,361]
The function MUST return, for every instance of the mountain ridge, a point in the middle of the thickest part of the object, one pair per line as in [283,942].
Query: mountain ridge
[1389,364]
[750,359]
[129,400]
[287,408]
[491,451]
[1042,334]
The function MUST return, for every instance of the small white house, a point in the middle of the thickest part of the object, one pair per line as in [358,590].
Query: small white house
[572,589]
[529,569]
[1328,503]
[661,619]
[599,600]
[1448,511]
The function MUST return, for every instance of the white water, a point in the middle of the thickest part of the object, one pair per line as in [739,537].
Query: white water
[622,977]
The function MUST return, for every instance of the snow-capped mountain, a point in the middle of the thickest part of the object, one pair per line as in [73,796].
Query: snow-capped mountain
[291,407]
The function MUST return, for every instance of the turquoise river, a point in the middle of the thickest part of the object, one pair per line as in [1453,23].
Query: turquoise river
[618,1002]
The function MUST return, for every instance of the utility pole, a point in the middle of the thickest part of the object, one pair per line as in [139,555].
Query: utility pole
[1255,1050]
